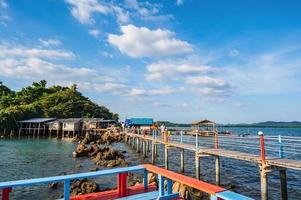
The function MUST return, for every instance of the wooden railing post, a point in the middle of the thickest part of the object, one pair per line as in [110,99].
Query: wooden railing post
[67,189]
[5,193]
[262,149]
[263,169]
[122,184]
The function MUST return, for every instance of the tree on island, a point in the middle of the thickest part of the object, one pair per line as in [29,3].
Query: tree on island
[39,100]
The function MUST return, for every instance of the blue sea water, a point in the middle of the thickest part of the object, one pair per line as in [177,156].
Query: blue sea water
[30,158]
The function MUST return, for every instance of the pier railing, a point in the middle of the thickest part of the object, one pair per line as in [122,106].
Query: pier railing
[215,192]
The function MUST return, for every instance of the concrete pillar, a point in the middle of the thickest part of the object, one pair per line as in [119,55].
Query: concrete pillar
[217,170]
[137,148]
[153,153]
[144,148]
[182,161]
[283,184]
[166,156]
[263,182]
[197,167]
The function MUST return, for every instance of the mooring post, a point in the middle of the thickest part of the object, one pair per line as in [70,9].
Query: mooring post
[182,161]
[197,166]
[282,172]
[166,156]
[263,169]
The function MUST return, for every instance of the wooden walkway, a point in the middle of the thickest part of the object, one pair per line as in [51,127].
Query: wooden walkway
[270,161]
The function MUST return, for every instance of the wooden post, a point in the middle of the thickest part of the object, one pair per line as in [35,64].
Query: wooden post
[39,126]
[217,170]
[20,130]
[153,153]
[197,166]
[283,184]
[182,161]
[166,156]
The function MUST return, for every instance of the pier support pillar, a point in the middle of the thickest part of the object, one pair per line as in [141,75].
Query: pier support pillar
[138,146]
[197,167]
[153,153]
[264,181]
[166,156]
[217,170]
[182,161]
[283,184]
[144,148]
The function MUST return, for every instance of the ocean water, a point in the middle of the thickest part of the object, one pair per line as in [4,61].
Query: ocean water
[30,158]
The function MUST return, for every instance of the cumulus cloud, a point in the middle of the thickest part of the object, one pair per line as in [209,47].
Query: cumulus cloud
[143,42]
[50,42]
[83,10]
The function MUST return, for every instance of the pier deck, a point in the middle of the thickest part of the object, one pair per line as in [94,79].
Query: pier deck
[275,162]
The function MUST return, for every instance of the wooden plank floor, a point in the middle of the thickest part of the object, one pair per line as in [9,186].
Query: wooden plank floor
[277,162]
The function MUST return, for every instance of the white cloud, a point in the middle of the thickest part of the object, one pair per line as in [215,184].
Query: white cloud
[3,4]
[179,2]
[20,51]
[166,70]
[143,42]
[95,33]
[50,42]
[83,10]
[205,80]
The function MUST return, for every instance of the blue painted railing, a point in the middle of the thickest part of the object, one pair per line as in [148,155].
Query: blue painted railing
[162,194]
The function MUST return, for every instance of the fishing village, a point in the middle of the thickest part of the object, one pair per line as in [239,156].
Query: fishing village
[150,100]
[144,136]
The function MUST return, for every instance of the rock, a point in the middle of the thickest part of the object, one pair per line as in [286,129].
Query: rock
[83,186]
[93,169]
[53,185]
[78,166]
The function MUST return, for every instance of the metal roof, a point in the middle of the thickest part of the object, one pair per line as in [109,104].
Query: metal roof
[203,122]
[37,120]
[139,121]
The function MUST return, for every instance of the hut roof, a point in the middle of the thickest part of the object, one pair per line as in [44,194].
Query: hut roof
[203,122]
[68,120]
[139,121]
[37,120]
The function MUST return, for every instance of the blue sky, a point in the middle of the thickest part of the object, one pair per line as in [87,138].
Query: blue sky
[179,60]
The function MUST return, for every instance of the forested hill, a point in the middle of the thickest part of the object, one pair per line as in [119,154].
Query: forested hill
[39,100]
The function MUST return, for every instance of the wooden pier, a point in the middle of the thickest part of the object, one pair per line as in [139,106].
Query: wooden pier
[265,164]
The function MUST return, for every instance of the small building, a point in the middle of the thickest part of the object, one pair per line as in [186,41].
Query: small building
[203,127]
[73,125]
[140,123]
[91,123]
[34,126]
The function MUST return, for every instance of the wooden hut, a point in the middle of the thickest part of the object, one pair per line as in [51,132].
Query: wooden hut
[71,126]
[54,127]
[34,126]
[203,127]
[139,123]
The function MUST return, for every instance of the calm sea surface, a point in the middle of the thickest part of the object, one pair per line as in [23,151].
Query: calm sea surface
[30,158]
